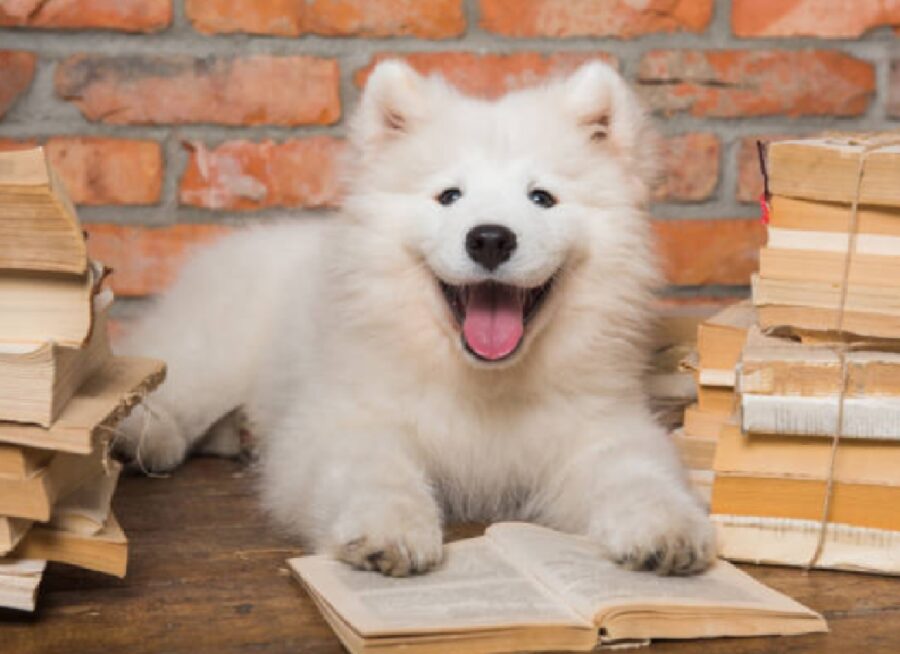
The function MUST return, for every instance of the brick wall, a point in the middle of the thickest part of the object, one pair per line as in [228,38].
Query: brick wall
[174,120]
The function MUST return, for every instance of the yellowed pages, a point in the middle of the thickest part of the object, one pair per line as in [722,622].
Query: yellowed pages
[106,551]
[106,398]
[632,605]
[38,226]
[795,213]
[783,541]
[474,589]
[828,267]
[34,496]
[19,581]
[86,510]
[36,385]
[20,462]
[806,457]
[11,532]
[826,168]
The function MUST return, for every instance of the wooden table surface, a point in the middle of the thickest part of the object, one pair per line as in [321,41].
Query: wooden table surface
[207,574]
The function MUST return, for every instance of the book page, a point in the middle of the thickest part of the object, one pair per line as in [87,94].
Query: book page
[473,589]
[577,570]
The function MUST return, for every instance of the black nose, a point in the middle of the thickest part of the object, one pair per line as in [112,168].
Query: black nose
[490,245]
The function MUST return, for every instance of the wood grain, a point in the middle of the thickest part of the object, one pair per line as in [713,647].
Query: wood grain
[207,574]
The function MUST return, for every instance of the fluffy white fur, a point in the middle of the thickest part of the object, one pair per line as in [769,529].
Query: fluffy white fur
[333,337]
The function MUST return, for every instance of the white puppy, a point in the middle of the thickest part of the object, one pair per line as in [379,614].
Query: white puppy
[464,341]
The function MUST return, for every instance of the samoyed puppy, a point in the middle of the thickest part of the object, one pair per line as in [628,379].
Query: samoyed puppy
[465,341]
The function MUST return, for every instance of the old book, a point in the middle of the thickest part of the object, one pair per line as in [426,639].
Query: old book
[20,462]
[819,241]
[36,381]
[782,366]
[795,213]
[39,229]
[38,307]
[696,452]
[33,497]
[806,457]
[861,298]
[19,581]
[86,510]
[826,169]
[100,403]
[716,399]
[703,424]
[828,267]
[523,587]
[782,541]
[11,532]
[867,417]
[802,319]
[859,505]
[105,551]
[720,341]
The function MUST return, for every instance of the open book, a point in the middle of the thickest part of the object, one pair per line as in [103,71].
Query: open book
[524,587]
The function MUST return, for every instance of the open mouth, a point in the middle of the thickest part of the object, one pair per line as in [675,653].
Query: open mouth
[492,316]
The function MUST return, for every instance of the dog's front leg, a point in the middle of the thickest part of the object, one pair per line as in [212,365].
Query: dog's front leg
[626,489]
[359,497]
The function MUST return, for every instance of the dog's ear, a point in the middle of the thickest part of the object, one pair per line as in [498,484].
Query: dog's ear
[609,112]
[392,102]
[604,106]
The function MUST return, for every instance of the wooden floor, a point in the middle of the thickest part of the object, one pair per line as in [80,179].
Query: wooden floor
[207,574]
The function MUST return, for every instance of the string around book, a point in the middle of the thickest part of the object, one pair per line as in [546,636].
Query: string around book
[136,400]
[844,344]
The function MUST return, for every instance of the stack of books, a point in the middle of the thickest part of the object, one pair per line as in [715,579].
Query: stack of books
[812,386]
[813,183]
[720,340]
[62,391]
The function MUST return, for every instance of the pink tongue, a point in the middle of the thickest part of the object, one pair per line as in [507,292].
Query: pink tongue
[493,325]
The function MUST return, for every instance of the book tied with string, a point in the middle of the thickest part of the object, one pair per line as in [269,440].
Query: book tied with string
[62,390]
[808,471]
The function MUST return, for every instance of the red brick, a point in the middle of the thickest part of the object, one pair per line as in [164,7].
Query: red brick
[145,260]
[108,170]
[704,252]
[154,89]
[489,75]
[734,83]
[98,170]
[435,19]
[248,175]
[893,94]
[16,73]
[690,168]
[824,18]
[620,18]
[120,15]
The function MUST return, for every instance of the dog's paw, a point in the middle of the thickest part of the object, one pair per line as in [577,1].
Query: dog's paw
[394,542]
[669,535]
[150,442]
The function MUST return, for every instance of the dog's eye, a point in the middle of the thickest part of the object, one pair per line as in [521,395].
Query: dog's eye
[448,196]
[542,198]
